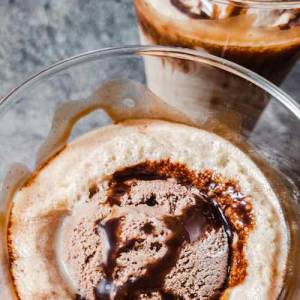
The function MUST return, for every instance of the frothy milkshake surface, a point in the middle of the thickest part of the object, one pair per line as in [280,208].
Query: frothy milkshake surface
[148,209]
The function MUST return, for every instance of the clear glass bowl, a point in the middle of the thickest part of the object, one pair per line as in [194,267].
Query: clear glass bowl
[227,106]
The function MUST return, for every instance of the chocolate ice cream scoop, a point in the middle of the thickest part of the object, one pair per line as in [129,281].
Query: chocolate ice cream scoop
[159,239]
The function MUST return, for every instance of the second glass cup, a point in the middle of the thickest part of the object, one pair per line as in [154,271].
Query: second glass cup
[263,36]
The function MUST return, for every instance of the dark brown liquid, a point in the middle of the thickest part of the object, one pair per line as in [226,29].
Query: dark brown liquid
[120,182]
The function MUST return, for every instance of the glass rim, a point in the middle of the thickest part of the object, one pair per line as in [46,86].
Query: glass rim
[163,51]
[264,4]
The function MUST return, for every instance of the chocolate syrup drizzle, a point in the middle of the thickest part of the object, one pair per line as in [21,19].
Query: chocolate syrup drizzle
[120,182]
[200,218]
[208,213]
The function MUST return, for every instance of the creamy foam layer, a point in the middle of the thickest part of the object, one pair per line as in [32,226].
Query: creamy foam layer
[64,183]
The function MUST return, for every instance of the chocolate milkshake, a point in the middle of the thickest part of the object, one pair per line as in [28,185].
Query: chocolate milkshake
[263,39]
[150,223]
[131,211]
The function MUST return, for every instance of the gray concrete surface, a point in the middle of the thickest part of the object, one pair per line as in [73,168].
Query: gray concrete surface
[37,33]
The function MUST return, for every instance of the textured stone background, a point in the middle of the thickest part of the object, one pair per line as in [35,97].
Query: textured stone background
[37,33]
